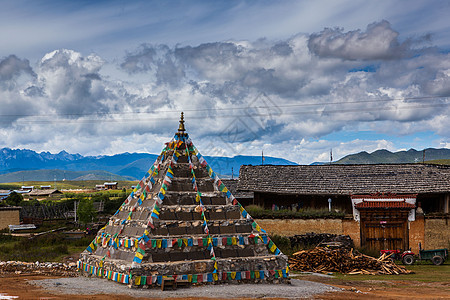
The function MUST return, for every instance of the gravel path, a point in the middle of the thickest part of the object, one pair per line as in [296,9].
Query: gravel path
[91,286]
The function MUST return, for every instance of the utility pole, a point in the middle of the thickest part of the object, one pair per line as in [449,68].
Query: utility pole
[232,173]
[75,203]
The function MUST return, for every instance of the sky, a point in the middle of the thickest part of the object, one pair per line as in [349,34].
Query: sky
[295,79]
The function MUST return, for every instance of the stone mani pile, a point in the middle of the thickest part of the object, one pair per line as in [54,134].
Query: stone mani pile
[41,268]
[182,223]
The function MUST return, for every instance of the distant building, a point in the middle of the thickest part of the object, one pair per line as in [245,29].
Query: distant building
[111,185]
[27,188]
[46,187]
[46,194]
[9,216]
[4,194]
[107,186]
[100,187]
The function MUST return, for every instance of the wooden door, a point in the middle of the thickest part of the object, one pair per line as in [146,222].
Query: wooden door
[384,230]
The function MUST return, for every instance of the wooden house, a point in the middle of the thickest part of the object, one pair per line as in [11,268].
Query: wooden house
[381,198]
[111,185]
[45,194]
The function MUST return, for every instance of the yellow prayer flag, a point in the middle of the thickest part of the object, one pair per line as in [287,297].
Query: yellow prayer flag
[215,276]
[233,275]
[256,274]
[137,280]
[139,255]
[158,243]
[273,248]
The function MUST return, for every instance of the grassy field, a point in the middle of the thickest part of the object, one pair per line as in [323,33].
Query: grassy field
[51,247]
[425,272]
[439,161]
[65,185]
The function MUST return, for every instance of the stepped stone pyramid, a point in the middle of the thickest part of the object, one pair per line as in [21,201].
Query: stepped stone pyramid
[181,222]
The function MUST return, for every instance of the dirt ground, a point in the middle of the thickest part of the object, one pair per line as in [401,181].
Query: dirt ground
[17,285]
[382,289]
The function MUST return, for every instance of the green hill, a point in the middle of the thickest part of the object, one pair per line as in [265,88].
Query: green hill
[387,157]
[51,175]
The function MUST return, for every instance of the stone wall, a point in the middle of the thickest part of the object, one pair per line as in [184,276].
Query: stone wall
[9,216]
[433,233]
[290,227]
[416,233]
[351,227]
[437,233]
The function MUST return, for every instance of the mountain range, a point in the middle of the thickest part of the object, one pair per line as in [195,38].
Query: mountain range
[27,165]
[387,157]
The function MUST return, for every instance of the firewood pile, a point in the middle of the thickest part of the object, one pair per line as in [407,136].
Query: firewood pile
[322,260]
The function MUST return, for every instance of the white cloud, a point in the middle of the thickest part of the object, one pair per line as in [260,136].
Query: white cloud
[239,96]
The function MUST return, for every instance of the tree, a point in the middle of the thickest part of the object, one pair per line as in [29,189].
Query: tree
[86,211]
[14,199]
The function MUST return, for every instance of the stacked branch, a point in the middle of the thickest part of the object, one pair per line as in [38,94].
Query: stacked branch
[322,260]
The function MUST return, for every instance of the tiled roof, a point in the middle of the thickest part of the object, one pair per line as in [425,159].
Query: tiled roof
[384,204]
[44,192]
[232,185]
[346,179]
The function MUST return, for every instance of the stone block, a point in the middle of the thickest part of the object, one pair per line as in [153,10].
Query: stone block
[197,255]
[225,253]
[167,215]
[214,229]
[218,201]
[206,200]
[196,230]
[160,231]
[171,199]
[227,229]
[177,256]
[196,216]
[244,228]
[233,214]
[245,252]
[177,230]
[184,216]
[217,215]
[160,257]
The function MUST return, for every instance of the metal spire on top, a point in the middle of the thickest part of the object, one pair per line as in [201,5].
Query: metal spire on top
[181,128]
